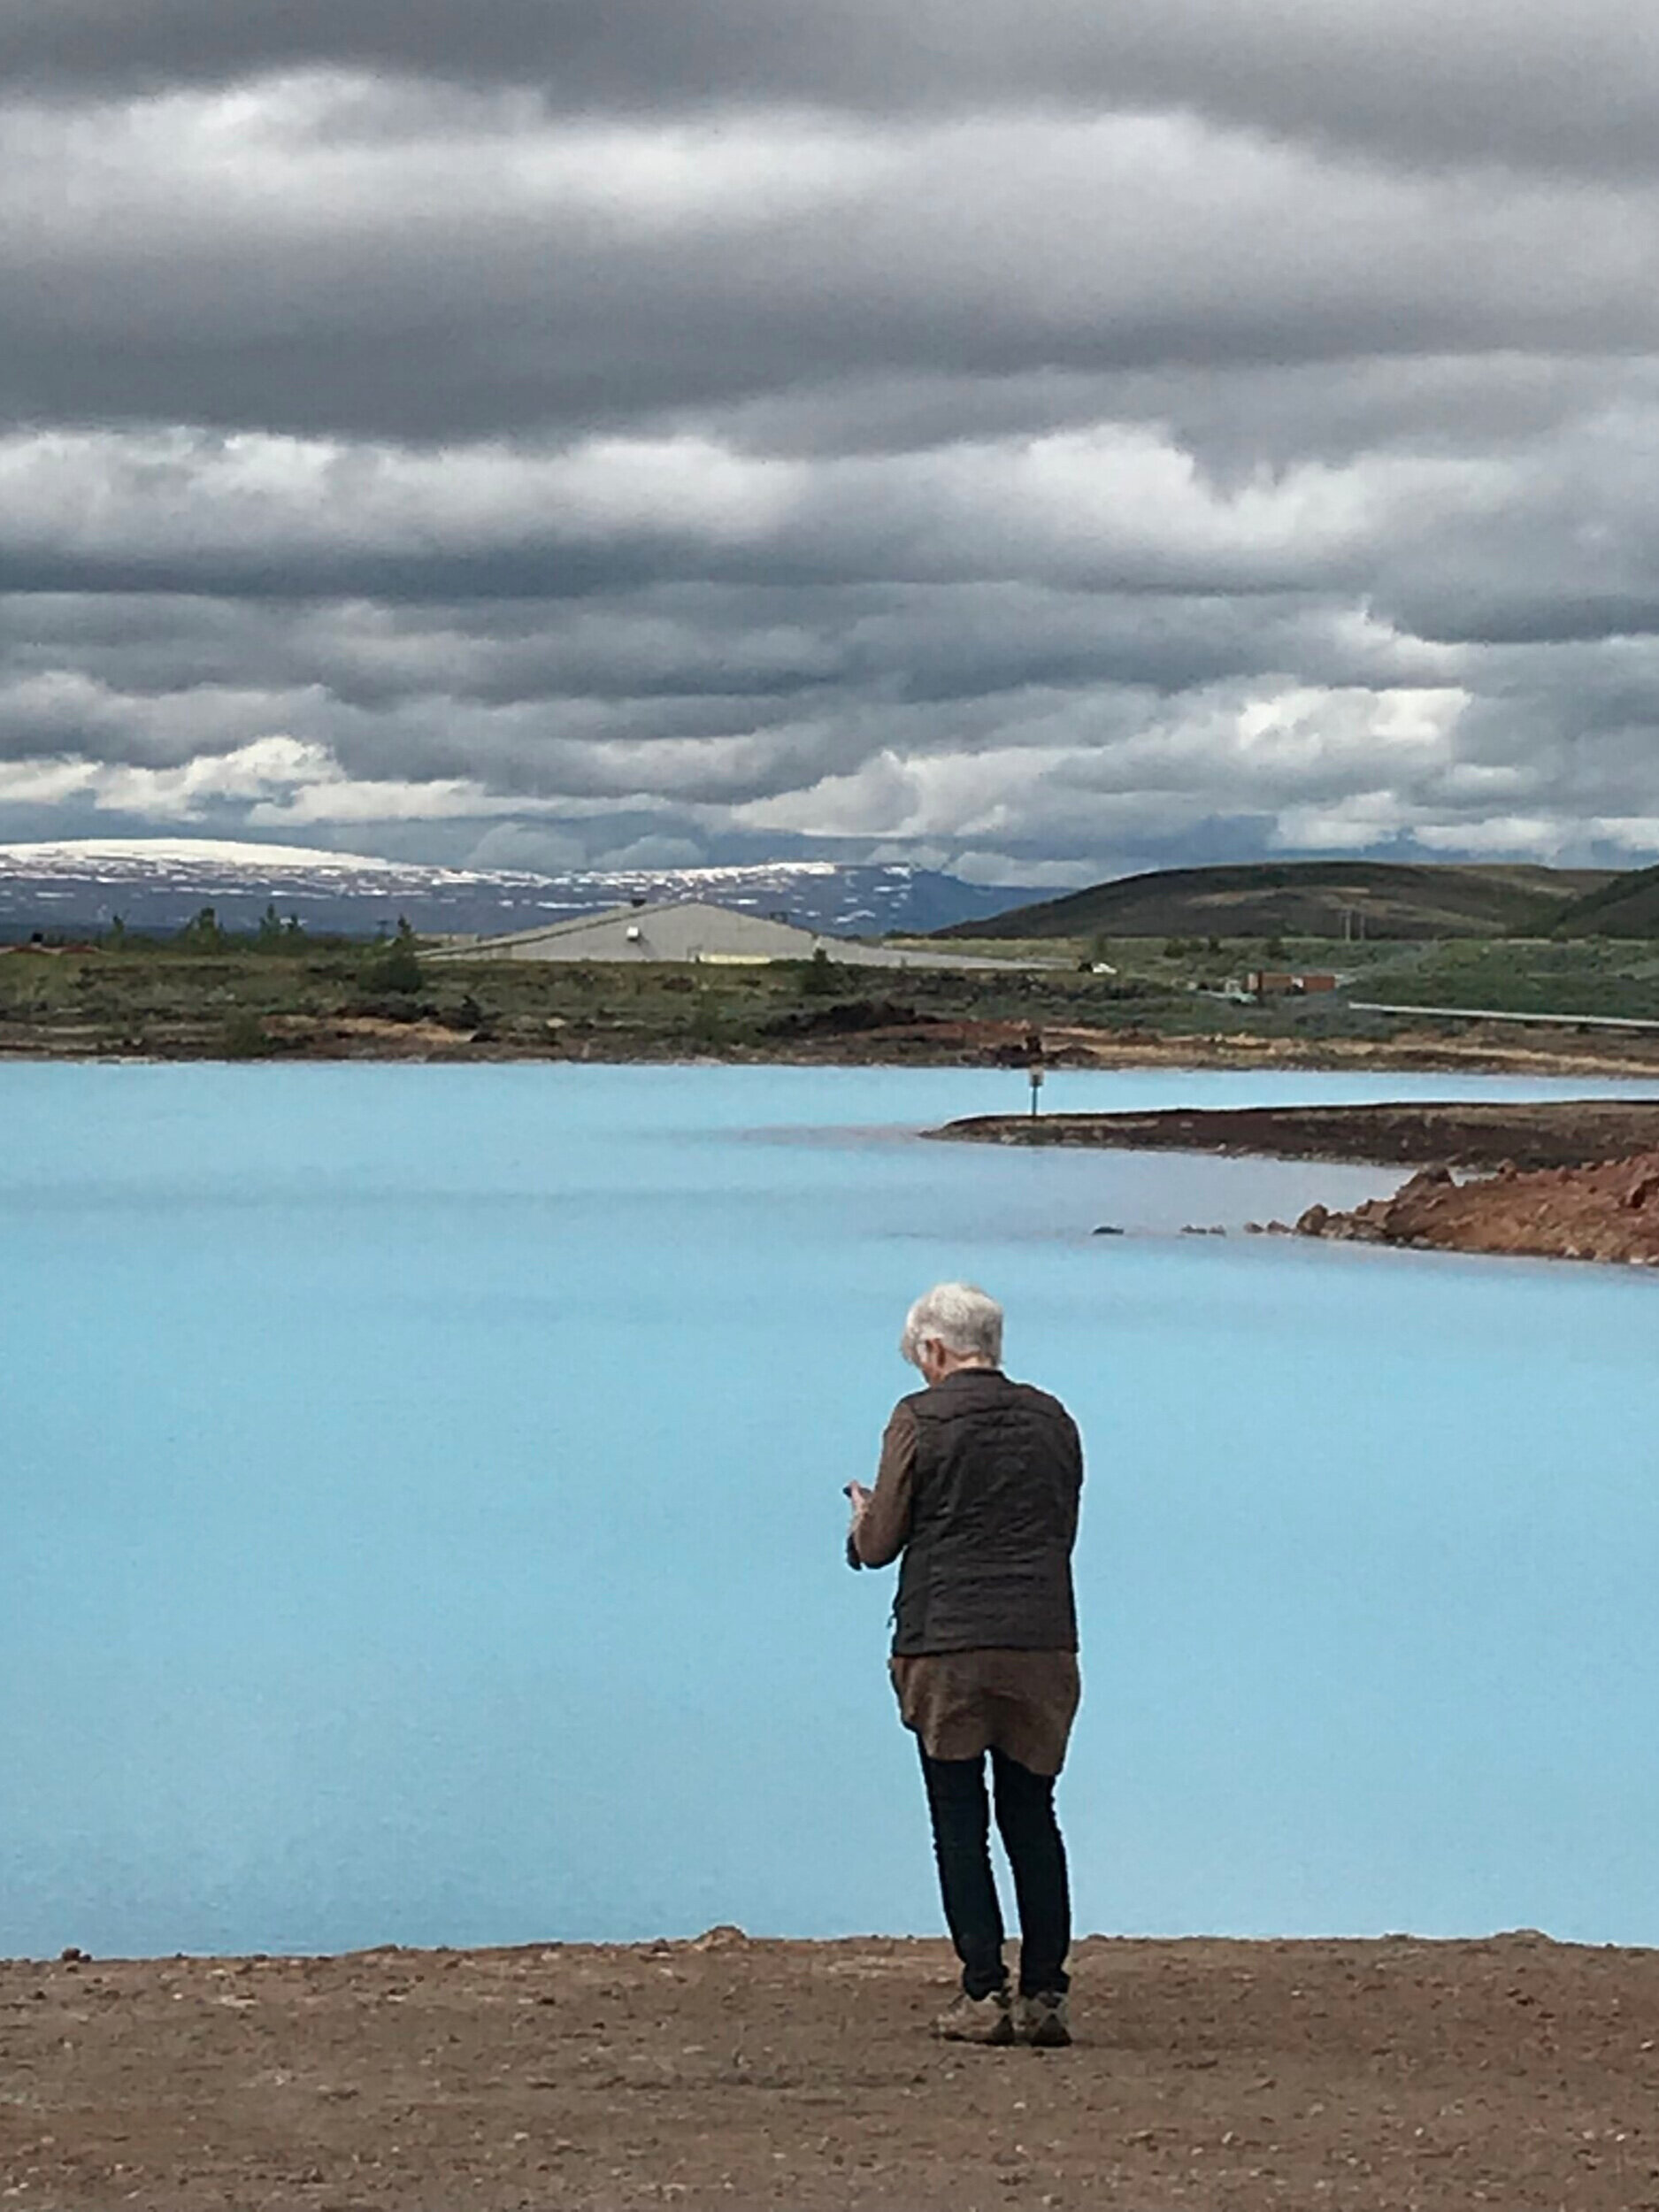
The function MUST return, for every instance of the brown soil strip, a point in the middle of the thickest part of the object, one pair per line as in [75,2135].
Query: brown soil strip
[1559,1133]
[934,1042]
[1515,2072]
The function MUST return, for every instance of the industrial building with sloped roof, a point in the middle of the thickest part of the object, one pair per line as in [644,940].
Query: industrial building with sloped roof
[691,930]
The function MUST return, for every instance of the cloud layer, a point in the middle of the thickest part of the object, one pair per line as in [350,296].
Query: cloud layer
[1040,445]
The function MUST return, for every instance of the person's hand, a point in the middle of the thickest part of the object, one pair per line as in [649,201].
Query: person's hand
[858,1498]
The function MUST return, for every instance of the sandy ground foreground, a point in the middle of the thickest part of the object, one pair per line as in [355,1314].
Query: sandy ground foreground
[1514,2072]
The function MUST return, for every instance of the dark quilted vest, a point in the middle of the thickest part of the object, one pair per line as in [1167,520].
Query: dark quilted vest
[987,1564]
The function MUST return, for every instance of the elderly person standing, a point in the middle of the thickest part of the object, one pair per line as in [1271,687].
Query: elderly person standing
[978,1489]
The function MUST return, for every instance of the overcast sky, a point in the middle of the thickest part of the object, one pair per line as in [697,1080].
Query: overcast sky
[1040,440]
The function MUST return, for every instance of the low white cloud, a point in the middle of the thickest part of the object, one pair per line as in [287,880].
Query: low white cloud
[1114,504]
[184,793]
[1638,834]
[1505,836]
[274,783]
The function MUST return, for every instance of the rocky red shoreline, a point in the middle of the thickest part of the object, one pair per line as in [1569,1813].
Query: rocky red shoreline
[1609,1212]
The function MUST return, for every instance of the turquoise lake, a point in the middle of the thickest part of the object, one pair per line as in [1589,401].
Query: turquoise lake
[423,1517]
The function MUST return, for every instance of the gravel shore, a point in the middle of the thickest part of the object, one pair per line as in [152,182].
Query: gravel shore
[1514,2072]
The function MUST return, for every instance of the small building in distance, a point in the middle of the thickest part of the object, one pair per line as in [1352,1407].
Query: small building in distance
[1264,983]
[693,931]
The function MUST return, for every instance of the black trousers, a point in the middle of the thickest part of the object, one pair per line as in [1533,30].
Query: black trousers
[1031,1836]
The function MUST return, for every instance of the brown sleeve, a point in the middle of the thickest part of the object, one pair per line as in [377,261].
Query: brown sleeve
[1076,1449]
[886,1523]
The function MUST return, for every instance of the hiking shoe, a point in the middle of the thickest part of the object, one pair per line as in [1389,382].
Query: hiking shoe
[976,2019]
[1044,2021]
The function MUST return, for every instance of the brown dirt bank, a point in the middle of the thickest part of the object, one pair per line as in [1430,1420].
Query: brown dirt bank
[1513,2072]
[933,1042]
[1556,1133]
[1609,1211]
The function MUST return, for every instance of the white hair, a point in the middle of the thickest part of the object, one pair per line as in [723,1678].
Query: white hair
[960,1317]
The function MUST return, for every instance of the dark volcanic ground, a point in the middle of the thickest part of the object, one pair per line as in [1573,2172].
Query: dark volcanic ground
[1561,1133]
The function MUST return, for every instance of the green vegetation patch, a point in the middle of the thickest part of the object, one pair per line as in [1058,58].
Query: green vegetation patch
[1341,899]
[208,998]
[1587,976]
[1627,907]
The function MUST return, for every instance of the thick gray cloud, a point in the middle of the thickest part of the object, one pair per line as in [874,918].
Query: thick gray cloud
[1515,80]
[301,258]
[1039,444]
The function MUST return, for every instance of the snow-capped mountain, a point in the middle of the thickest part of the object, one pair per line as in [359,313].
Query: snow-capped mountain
[159,883]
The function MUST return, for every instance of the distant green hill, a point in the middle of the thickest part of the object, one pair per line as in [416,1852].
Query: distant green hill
[1312,898]
[1626,907]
